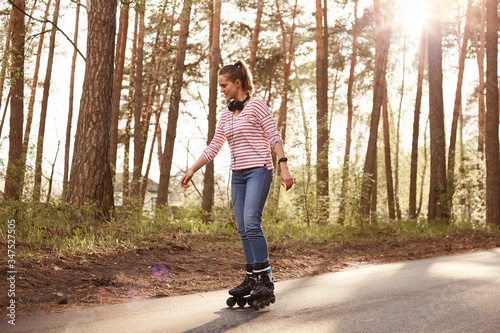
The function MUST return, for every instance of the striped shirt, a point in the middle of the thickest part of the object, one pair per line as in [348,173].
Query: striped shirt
[249,135]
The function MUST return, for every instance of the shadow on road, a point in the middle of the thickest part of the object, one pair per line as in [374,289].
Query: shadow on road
[229,318]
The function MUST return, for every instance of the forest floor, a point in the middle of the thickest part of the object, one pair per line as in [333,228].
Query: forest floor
[189,263]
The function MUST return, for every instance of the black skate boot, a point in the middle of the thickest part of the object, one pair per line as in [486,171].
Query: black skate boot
[262,293]
[239,293]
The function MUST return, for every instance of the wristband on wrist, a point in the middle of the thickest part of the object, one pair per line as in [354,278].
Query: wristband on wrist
[283,159]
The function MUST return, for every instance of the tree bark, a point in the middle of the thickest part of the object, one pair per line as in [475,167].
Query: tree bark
[398,134]
[492,141]
[173,112]
[13,176]
[90,181]
[130,112]
[307,138]
[383,35]
[4,64]
[71,98]
[412,210]
[138,105]
[350,111]
[387,154]
[438,199]
[121,44]
[480,96]
[43,114]
[209,180]
[255,37]
[457,108]
[31,103]
[322,140]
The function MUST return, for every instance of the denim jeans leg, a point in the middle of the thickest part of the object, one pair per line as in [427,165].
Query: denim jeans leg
[238,191]
[249,193]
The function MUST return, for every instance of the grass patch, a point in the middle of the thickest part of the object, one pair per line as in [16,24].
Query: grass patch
[62,229]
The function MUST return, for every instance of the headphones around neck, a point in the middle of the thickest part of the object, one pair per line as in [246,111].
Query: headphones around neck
[237,105]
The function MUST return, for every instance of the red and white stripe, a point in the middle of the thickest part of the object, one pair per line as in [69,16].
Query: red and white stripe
[250,136]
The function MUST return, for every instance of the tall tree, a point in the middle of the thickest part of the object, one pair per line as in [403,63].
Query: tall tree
[457,106]
[71,101]
[138,104]
[207,201]
[387,153]
[45,102]
[480,45]
[438,200]
[173,111]
[130,108]
[382,41]
[492,142]
[412,211]
[287,53]
[90,180]
[322,138]
[121,44]
[255,36]
[4,65]
[13,176]
[350,111]
[31,103]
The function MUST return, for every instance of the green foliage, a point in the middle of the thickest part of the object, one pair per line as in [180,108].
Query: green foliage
[53,227]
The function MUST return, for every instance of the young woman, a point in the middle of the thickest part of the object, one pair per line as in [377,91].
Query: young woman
[250,130]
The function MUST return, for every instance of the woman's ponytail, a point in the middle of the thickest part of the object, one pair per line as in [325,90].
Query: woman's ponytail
[239,71]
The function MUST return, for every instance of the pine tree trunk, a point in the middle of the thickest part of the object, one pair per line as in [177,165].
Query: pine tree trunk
[438,199]
[138,107]
[287,53]
[480,96]
[43,114]
[412,210]
[90,181]
[457,108]
[71,98]
[492,142]
[387,154]
[307,138]
[209,180]
[255,37]
[173,112]
[4,64]
[31,103]
[322,140]
[121,45]
[398,135]
[130,112]
[383,35]
[481,93]
[5,110]
[350,111]
[13,176]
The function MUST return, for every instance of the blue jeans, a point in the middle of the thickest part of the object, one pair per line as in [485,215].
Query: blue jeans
[249,190]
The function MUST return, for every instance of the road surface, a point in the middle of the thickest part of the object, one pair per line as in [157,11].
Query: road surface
[459,293]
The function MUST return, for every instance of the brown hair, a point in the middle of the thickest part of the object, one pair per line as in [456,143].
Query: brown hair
[239,71]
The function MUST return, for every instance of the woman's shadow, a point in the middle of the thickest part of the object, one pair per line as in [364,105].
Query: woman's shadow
[229,318]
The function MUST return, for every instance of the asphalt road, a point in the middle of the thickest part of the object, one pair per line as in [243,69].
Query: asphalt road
[458,293]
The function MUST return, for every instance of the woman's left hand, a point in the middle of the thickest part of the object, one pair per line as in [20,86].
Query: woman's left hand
[286,179]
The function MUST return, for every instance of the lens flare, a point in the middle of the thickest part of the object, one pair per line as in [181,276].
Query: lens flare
[161,271]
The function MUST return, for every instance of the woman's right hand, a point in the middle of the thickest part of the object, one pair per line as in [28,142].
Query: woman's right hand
[186,178]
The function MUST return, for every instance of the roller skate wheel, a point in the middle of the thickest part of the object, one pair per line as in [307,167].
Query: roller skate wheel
[255,305]
[268,302]
[241,302]
[231,301]
[272,299]
[262,304]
